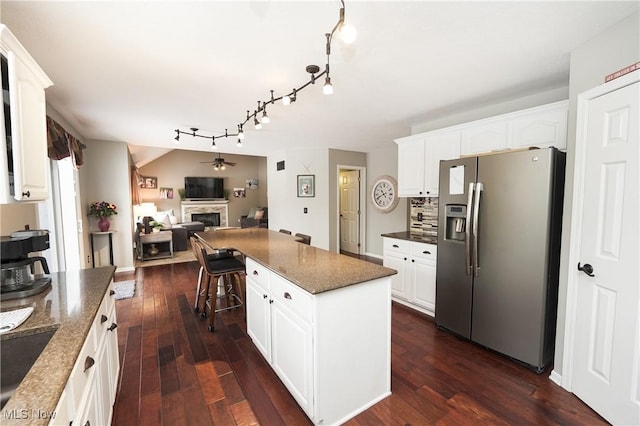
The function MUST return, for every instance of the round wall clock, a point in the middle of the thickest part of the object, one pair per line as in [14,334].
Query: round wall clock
[384,193]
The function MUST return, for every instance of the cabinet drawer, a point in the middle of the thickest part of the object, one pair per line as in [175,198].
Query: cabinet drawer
[79,376]
[291,296]
[257,273]
[400,246]
[424,251]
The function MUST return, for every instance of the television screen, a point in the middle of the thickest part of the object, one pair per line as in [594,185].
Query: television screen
[203,187]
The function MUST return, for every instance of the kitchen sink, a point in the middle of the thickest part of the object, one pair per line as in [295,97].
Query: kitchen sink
[16,358]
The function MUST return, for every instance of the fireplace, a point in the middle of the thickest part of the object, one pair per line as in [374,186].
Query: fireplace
[209,219]
[212,213]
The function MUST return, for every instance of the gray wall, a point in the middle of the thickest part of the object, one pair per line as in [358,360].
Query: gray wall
[606,53]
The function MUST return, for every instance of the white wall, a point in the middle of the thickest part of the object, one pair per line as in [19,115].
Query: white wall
[105,176]
[608,52]
[286,209]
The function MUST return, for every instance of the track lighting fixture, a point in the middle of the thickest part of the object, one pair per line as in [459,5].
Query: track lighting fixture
[347,34]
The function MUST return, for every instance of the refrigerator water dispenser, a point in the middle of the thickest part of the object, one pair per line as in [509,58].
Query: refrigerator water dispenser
[455,225]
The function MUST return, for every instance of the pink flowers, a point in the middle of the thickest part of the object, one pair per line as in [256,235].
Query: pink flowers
[102,209]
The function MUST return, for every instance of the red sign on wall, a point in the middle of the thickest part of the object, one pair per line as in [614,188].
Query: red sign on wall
[623,71]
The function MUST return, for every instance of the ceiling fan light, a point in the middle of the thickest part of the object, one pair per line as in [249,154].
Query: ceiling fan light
[222,167]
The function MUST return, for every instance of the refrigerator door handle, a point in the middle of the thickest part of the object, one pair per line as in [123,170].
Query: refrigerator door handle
[467,240]
[476,214]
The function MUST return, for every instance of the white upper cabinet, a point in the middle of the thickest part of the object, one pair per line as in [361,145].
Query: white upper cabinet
[411,158]
[419,155]
[540,127]
[484,137]
[441,146]
[23,158]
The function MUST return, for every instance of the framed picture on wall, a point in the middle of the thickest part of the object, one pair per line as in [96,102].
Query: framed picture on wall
[306,186]
[148,182]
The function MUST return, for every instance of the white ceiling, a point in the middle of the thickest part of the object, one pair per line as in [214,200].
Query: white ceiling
[134,71]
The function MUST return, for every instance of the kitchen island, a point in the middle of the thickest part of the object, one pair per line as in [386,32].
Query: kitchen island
[321,320]
[68,309]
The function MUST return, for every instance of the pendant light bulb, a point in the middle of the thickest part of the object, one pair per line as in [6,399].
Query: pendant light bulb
[239,144]
[240,132]
[348,33]
[327,89]
[214,147]
[257,124]
[286,100]
[265,117]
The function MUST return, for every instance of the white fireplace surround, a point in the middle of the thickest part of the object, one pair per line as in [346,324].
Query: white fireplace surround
[189,207]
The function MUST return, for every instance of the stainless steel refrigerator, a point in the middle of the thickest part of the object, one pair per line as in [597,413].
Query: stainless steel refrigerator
[499,225]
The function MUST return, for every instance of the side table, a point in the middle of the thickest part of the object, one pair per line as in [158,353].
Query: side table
[93,256]
[161,241]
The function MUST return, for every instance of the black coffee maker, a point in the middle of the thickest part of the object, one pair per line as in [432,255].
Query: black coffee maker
[17,273]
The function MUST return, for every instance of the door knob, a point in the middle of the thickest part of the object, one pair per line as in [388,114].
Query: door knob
[586,268]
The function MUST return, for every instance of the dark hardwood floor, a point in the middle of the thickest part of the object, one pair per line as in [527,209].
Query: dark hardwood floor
[174,372]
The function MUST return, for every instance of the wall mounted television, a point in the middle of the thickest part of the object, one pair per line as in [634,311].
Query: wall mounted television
[203,187]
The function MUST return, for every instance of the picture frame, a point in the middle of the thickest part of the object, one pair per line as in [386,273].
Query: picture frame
[166,193]
[306,186]
[148,182]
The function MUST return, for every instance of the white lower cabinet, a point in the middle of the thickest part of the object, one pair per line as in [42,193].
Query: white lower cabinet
[91,389]
[331,350]
[415,283]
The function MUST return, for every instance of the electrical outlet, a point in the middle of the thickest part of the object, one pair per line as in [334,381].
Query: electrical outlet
[305,211]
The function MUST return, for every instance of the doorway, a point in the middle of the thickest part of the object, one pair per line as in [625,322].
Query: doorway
[351,204]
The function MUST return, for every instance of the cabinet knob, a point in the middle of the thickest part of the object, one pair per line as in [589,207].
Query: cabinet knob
[88,363]
[103,319]
[255,272]
[413,260]
[405,258]
[26,194]
[112,292]
[396,246]
[287,295]
[113,326]
[88,423]
[270,301]
[264,296]
[426,252]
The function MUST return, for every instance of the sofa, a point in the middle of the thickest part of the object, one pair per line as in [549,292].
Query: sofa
[257,217]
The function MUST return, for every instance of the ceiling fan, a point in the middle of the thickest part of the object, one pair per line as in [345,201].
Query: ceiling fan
[219,163]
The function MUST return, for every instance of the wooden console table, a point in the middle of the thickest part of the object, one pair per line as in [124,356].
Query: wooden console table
[162,240]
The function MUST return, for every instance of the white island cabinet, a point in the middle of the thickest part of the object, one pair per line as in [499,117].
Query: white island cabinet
[23,157]
[331,349]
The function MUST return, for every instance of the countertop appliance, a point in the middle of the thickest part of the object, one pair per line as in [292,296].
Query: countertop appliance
[17,277]
[499,251]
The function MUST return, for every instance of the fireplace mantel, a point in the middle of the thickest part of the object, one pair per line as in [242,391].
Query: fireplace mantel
[189,207]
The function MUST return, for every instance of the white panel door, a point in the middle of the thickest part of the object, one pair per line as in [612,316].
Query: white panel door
[606,353]
[350,211]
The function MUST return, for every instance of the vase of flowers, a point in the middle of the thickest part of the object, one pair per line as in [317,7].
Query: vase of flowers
[102,210]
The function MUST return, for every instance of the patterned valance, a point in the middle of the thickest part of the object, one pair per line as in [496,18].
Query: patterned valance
[61,144]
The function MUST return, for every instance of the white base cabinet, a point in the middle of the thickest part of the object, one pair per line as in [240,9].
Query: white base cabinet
[331,350]
[415,283]
[90,392]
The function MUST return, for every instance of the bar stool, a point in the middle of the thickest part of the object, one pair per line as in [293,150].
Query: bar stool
[220,254]
[220,268]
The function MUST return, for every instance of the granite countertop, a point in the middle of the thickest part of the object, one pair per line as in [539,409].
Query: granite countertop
[313,269]
[69,306]
[409,236]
